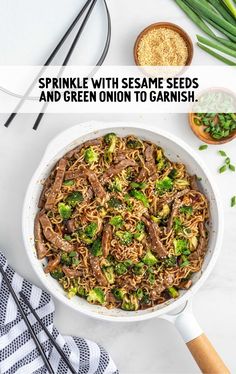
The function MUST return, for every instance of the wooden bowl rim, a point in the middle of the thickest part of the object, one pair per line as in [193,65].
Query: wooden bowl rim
[167,25]
[208,140]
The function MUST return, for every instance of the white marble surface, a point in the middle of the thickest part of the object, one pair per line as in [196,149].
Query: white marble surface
[27,32]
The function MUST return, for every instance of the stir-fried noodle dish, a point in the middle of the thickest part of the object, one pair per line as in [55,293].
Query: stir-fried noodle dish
[120,225]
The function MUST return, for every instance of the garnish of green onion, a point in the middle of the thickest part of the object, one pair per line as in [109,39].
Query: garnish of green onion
[227,161]
[231,167]
[233,201]
[222,153]
[223,169]
[203,147]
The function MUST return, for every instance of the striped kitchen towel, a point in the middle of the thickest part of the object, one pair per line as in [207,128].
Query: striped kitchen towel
[18,353]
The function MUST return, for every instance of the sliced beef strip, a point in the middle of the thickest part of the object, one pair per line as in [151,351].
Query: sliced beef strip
[52,236]
[71,226]
[46,186]
[153,230]
[89,143]
[75,174]
[106,240]
[185,285]
[60,172]
[117,168]
[174,212]
[71,273]
[142,175]
[52,264]
[97,271]
[168,281]
[194,183]
[150,162]
[40,245]
[169,200]
[96,185]
[202,244]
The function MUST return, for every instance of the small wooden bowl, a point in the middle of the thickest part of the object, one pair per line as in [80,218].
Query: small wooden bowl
[199,130]
[166,25]
[206,137]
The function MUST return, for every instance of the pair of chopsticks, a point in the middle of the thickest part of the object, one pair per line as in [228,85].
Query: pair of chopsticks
[30,328]
[90,5]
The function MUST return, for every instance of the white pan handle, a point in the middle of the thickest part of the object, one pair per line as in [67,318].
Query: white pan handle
[200,347]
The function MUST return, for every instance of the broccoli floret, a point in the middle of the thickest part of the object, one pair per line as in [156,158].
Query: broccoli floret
[134,143]
[69,183]
[164,185]
[91,230]
[72,254]
[110,140]
[130,304]
[151,278]
[83,237]
[146,298]
[57,274]
[96,248]
[128,263]
[128,202]
[116,185]
[184,261]
[138,195]
[109,274]
[120,268]
[65,259]
[139,293]
[117,221]
[139,269]
[64,211]
[68,238]
[177,225]
[96,295]
[81,292]
[115,203]
[149,259]
[173,174]
[72,292]
[125,237]
[90,156]
[181,247]
[138,186]
[74,198]
[186,209]
[170,262]
[173,292]
[140,232]
[119,293]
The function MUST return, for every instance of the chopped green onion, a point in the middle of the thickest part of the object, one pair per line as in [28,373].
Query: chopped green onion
[223,169]
[233,201]
[231,167]
[203,147]
[222,153]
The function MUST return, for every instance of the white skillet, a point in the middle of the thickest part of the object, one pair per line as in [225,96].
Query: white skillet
[179,311]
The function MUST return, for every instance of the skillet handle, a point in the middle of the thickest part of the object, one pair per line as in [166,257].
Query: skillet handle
[206,356]
[200,347]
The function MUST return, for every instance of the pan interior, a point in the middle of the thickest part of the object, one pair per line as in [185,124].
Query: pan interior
[176,151]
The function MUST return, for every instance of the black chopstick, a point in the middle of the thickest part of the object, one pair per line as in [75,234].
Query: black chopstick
[49,60]
[67,58]
[52,340]
[25,318]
